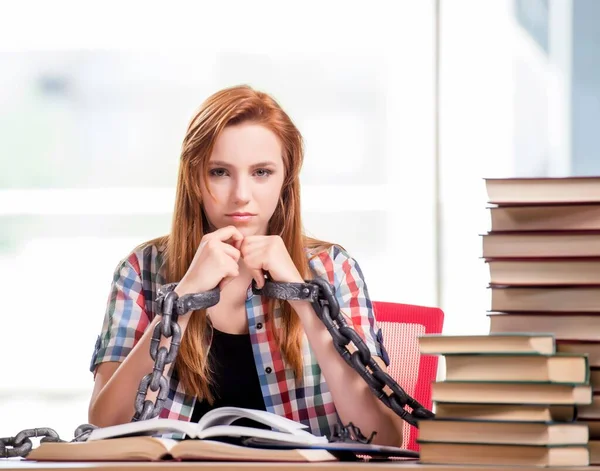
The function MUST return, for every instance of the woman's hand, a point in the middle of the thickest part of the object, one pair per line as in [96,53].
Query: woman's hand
[215,262]
[269,253]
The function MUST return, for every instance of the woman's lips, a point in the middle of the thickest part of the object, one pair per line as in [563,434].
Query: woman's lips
[241,217]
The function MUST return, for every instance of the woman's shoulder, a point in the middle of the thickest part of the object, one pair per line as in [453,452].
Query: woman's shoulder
[146,259]
[330,261]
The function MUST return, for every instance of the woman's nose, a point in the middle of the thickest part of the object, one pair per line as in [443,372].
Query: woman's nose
[241,190]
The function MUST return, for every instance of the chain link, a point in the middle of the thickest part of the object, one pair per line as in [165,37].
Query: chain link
[322,296]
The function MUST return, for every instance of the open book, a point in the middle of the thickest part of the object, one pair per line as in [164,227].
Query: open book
[147,448]
[148,440]
[217,423]
[153,440]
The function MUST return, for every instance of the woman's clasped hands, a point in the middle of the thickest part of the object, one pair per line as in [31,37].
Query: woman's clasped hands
[222,252]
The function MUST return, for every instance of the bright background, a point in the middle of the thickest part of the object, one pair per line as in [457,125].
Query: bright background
[405,107]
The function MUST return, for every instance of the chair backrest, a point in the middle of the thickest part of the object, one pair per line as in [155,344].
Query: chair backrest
[402,324]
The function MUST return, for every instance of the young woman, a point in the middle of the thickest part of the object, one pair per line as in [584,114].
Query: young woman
[237,217]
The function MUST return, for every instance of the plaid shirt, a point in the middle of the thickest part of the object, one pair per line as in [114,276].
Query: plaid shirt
[132,305]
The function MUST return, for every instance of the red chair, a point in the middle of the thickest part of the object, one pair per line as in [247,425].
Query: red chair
[402,324]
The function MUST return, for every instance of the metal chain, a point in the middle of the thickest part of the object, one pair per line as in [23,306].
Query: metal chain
[170,307]
[322,296]
[20,445]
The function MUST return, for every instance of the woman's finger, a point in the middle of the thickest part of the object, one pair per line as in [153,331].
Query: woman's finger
[259,277]
[227,234]
[231,274]
[231,251]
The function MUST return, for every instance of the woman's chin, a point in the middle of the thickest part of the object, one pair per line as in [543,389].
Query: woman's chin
[247,231]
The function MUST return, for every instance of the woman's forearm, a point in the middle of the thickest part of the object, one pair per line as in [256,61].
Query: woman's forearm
[353,399]
[115,403]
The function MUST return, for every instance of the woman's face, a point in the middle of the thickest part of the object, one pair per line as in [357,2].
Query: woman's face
[245,175]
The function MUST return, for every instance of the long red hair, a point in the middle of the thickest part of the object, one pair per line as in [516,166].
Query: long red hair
[227,107]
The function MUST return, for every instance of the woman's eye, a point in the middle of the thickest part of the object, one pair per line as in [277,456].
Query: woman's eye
[263,172]
[218,172]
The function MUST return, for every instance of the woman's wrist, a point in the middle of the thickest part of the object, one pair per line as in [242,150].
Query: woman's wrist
[303,309]
[184,288]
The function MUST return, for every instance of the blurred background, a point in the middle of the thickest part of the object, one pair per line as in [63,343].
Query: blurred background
[405,106]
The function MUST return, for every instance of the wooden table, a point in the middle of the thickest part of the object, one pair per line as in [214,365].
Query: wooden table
[20,465]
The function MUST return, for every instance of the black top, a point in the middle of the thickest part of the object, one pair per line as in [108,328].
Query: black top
[235,379]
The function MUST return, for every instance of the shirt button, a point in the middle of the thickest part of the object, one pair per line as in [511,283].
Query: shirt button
[259,326]
[268,369]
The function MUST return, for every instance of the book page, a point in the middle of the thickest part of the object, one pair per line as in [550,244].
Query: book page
[168,443]
[221,417]
[118,449]
[212,450]
[148,427]
[227,415]
[304,438]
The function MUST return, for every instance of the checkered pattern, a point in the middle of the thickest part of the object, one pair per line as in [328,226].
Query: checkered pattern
[132,305]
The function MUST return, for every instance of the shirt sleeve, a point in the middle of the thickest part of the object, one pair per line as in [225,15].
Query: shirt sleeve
[344,273]
[125,319]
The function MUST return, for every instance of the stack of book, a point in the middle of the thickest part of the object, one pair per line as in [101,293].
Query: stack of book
[507,399]
[543,253]
[523,395]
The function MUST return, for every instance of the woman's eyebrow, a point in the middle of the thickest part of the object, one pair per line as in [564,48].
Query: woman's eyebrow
[265,163]
[219,163]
